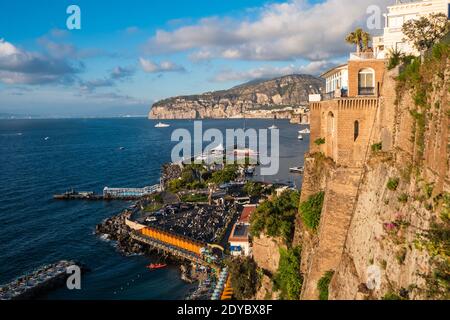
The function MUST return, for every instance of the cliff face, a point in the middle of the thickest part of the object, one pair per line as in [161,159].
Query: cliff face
[255,99]
[384,226]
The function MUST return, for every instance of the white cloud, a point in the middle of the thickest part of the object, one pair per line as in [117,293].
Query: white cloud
[18,66]
[287,31]
[165,66]
[268,72]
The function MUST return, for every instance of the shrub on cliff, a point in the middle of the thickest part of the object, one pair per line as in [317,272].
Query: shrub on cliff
[288,279]
[245,279]
[276,217]
[311,209]
[319,141]
[393,183]
[323,284]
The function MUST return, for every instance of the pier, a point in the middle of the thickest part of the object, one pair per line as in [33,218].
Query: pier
[109,194]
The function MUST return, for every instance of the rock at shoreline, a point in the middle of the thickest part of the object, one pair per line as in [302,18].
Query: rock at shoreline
[116,229]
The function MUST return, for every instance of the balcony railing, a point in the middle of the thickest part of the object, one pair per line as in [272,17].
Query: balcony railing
[339,93]
[366,91]
[362,55]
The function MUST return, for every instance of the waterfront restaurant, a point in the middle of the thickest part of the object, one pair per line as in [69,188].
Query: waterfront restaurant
[239,239]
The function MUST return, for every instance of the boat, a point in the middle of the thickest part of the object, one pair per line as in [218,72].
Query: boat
[305,131]
[300,137]
[162,125]
[273,127]
[47,138]
[300,170]
[155,266]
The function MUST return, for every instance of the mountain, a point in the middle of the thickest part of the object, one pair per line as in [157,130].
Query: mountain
[254,99]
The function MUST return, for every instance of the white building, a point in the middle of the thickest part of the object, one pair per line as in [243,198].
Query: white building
[239,239]
[397,15]
[336,81]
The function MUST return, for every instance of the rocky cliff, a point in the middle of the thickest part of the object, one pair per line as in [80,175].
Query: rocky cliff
[255,99]
[384,227]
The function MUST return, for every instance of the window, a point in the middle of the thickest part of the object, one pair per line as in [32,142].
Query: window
[356,130]
[366,82]
[395,22]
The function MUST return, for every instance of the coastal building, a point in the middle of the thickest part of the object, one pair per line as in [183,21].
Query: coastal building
[363,73]
[239,239]
[341,122]
[397,14]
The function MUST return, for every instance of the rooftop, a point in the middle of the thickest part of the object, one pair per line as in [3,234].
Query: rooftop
[239,233]
[246,213]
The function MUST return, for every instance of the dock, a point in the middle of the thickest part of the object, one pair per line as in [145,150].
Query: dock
[37,282]
[125,194]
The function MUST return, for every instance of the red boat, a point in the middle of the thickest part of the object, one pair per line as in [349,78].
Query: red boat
[154,266]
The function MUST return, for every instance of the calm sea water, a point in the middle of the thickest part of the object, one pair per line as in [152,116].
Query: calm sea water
[86,155]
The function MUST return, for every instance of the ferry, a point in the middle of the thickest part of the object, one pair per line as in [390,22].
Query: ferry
[162,125]
[155,266]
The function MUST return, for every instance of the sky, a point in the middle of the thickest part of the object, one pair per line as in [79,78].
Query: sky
[129,54]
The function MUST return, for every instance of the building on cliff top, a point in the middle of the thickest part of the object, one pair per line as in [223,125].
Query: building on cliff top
[343,115]
[397,15]
[239,238]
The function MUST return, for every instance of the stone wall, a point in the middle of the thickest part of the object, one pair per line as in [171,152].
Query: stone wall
[266,252]
[384,230]
[336,121]
[324,249]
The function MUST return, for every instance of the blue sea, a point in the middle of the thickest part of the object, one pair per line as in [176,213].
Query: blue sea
[87,155]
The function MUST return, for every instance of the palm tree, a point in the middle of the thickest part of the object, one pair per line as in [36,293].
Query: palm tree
[360,38]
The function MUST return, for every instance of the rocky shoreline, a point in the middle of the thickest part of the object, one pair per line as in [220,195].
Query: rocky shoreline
[116,230]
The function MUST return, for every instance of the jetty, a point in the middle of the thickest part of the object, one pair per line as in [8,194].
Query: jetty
[109,194]
[37,282]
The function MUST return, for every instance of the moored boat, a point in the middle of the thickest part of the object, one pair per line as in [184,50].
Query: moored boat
[162,125]
[155,266]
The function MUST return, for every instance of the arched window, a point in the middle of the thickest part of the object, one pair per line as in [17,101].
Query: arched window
[356,130]
[366,82]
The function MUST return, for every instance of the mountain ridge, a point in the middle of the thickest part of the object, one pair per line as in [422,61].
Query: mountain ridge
[256,98]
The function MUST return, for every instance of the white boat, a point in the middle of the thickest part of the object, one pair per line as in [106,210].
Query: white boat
[47,138]
[162,125]
[300,137]
[273,127]
[305,131]
[218,150]
[297,170]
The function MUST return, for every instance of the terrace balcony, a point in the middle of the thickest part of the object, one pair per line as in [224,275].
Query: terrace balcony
[362,55]
[366,91]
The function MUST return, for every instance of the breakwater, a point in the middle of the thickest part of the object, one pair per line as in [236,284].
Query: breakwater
[37,282]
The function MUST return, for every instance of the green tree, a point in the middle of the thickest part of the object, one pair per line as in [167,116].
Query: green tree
[311,210]
[424,32]
[288,279]
[276,217]
[323,285]
[244,277]
[360,38]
